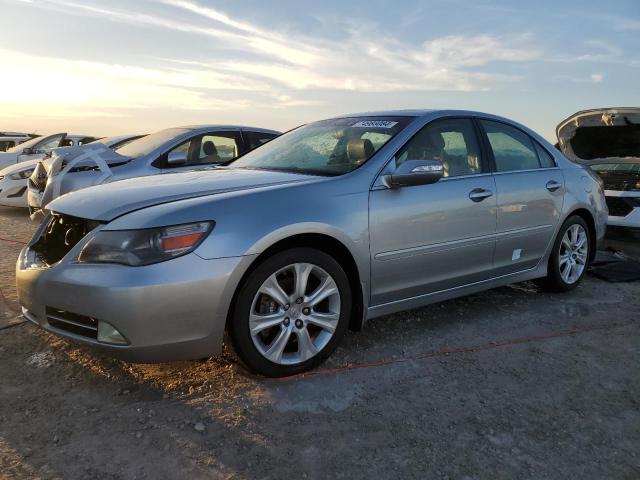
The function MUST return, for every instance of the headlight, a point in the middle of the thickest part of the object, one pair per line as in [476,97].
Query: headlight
[23,175]
[144,247]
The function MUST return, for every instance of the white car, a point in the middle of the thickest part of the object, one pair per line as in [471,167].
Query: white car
[36,148]
[11,139]
[14,178]
[608,141]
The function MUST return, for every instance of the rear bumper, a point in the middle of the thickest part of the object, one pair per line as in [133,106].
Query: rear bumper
[174,310]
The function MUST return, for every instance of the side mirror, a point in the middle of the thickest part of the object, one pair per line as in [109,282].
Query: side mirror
[177,158]
[415,172]
[28,151]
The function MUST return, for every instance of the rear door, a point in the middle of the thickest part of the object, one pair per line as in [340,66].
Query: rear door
[530,193]
[427,238]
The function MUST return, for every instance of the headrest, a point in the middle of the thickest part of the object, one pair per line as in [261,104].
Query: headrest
[358,150]
[209,148]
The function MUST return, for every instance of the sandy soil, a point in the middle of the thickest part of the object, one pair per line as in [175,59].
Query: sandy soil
[512,383]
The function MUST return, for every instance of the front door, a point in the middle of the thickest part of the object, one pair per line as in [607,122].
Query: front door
[206,151]
[429,238]
[530,190]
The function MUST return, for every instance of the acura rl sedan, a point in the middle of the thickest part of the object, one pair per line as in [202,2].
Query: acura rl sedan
[319,230]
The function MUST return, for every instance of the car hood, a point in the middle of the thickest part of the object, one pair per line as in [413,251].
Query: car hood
[604,134]
[109,201]
[18,167]
[81,158]
[7,158]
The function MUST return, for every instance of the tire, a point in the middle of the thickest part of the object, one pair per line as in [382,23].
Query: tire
[557,279]
[279,343]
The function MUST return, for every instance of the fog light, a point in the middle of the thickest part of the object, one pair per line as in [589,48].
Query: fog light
[107,333]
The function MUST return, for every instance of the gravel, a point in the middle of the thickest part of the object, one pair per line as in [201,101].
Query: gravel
[511,383]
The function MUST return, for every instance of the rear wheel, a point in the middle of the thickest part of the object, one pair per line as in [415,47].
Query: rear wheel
[291,312]
[570,256]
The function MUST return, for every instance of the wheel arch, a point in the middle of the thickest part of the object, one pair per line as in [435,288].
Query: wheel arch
[593,238]
[324,243]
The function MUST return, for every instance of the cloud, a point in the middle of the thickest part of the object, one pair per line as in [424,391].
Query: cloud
[41,85]
[365,59]
[271,68]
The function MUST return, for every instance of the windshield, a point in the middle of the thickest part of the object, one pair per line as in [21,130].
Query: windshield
[330,147]
[23,145]
[146,145]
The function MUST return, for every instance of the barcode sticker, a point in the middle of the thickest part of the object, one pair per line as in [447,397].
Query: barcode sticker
[375,124]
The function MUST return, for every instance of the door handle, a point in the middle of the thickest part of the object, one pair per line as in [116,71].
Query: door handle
[479,194]
[552,185]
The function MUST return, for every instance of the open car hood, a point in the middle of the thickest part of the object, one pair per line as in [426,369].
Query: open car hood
[594,136]
[109,201]
[60,157]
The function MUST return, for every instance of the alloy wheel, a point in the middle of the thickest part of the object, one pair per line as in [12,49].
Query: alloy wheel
[574,251]
[294,314]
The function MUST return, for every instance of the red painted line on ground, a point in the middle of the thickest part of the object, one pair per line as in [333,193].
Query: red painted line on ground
[10,240]
[450,351]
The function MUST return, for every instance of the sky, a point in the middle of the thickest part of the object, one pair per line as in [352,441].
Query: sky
[109,67]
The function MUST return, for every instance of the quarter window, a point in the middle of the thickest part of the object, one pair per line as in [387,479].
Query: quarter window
[452,142]
[513,150]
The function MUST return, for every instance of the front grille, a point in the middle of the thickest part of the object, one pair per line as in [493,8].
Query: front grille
[620,182]
[72,323]
[620,206]
[62,233]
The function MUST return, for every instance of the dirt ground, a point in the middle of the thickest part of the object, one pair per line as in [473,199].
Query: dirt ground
[511,383]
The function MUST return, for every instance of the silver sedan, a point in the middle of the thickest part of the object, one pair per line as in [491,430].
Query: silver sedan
[317,231]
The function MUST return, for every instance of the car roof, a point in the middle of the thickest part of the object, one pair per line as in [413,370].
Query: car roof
[229,127]
[425,112]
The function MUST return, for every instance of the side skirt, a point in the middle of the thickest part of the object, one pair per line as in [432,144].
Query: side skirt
[461,291]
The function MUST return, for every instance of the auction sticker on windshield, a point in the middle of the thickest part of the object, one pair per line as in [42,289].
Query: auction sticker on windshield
[375,124]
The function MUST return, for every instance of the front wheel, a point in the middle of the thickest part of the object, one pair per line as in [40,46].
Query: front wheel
[291,312]
[570,256]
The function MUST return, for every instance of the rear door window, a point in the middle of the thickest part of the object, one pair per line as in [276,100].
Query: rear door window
[513,150]
[255,139]
[546,160]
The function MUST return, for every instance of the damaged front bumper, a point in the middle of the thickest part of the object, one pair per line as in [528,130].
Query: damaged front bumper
[173,310]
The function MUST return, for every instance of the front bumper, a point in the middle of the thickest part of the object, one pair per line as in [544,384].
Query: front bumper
[174,310]
[13,193]
[624,209]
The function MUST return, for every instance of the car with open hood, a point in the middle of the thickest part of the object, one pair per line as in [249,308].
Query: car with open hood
[15,179]
[319,230]
[608,141]
[167,151]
